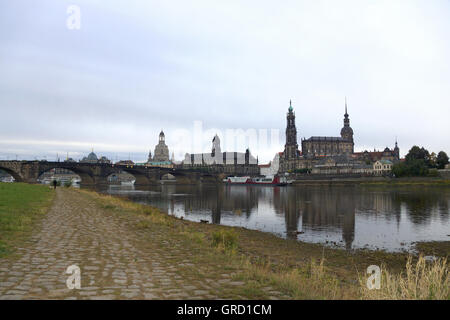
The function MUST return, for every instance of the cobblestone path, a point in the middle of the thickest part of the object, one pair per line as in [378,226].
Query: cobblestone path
[115,261]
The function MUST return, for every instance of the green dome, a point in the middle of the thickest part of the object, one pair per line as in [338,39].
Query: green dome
[290,106]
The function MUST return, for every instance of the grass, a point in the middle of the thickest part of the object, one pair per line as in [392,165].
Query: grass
[270,266]
[431,181]
[225,239]
[21,206]
[421,280]
[434,248]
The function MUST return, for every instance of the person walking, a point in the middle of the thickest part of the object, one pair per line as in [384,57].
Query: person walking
[54,184]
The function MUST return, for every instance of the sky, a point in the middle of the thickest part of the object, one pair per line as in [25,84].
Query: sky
[197,68]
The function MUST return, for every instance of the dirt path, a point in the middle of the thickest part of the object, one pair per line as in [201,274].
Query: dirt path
[116,261]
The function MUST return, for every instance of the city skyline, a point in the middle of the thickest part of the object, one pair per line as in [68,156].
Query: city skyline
[134,68]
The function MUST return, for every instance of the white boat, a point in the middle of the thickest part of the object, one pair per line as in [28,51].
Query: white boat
[267,180]
[127,183]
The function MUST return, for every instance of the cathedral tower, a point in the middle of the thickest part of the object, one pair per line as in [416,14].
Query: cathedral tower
[347,131]
[161,153]
[396,150]
[291,146]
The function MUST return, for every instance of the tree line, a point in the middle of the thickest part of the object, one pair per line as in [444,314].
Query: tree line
[419,162]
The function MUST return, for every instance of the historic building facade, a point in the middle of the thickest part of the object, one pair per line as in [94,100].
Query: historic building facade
[330,146]
[92,158]
[161,154]
[226,162]
[329,155]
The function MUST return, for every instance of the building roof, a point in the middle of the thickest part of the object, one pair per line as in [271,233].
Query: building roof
[92,156]
[325,139]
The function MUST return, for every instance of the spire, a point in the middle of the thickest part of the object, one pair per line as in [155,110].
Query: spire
[290,106]
[346,114]
[346,105]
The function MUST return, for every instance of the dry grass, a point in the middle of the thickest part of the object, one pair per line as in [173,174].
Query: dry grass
[311,282]
[225,239]
[422,281]
[307,278]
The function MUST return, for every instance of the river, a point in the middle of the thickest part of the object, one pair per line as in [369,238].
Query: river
[348,216]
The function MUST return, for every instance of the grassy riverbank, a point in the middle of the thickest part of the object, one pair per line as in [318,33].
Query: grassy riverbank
[234,263]
[411,181]
[379,181]
[21,207]
[296,270]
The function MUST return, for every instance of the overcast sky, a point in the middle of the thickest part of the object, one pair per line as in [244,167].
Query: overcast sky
[136,67]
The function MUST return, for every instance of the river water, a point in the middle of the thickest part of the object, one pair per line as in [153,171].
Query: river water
[389,218]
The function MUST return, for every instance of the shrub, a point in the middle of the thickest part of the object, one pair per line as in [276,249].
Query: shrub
[68,184]
[410,168]
[226,239]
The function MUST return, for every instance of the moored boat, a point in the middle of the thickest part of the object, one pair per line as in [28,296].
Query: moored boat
[267,180]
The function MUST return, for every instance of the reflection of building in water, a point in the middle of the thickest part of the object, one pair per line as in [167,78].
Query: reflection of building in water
[221,200]
[380,203]
[216,209]
[319,210]
[286,203]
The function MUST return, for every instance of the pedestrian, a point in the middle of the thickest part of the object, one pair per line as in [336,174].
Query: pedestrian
[54,184]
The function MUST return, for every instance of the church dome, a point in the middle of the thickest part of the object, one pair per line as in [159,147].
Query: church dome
[92,157]
[161,134]
[346,131]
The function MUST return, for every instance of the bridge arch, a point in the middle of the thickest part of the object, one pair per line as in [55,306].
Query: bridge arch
[85,177]
[140,177]
[17,177]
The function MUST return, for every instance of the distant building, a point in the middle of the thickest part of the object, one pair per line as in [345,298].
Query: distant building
[161,153]
[161,164]
[104,160]
[322,154]
[382,167]
[239,163]
[387,154]
[330,146]
[272,167]
[92,158]
[124,163]
[217,157]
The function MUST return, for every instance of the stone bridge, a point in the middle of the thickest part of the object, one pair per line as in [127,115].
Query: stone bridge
[29,171]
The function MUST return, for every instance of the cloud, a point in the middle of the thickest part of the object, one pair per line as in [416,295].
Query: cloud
[136,67]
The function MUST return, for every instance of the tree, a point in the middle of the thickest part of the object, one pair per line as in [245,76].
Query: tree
[413,168]
[441,160]
[416,153]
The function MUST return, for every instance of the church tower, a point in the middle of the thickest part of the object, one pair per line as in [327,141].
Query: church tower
[216,146]
[291,146]
[347,131]
[161,153]
[396,150]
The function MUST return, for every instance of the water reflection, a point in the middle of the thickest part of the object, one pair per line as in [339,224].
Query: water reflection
[346,216]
